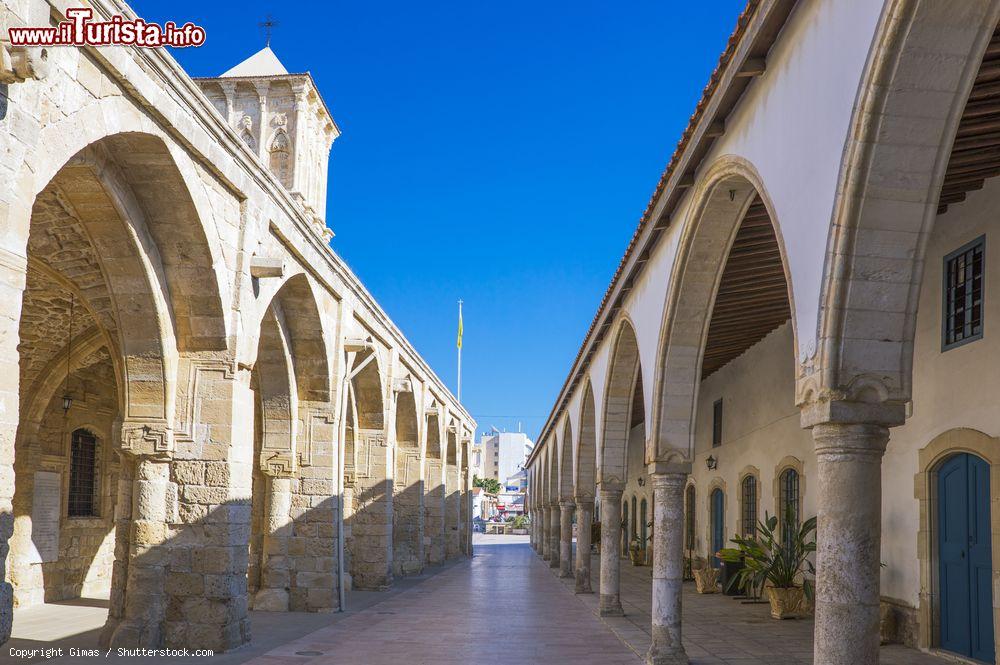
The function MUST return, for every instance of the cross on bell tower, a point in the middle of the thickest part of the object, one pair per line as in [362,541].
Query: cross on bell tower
[269,24]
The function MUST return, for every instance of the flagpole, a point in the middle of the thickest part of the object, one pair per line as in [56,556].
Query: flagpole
[459,396]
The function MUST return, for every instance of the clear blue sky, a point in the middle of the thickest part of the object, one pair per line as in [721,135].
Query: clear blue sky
[501,153]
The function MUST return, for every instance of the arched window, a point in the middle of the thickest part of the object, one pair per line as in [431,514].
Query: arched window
[689,518]
[788,502]
[643,527]
[748,497]
[83,474]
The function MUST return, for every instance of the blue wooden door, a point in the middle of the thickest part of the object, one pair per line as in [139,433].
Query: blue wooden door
[718,524]
[965,557]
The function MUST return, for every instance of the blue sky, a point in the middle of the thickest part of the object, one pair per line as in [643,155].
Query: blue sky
[501,153]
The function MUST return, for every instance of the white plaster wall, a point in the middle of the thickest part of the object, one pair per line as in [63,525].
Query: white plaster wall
[792,125]
[955,388]
[760,427]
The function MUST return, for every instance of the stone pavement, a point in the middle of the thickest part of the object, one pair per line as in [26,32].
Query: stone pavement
[717,629]
[501,607]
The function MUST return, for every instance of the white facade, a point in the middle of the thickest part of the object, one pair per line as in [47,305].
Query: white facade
[504,454]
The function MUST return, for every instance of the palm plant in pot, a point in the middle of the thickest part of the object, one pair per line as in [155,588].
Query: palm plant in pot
[776,560]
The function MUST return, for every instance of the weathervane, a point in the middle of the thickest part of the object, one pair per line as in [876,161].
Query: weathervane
[268,24]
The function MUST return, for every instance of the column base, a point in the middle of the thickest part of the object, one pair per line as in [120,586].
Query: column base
[565,574]
[611,606]
[657,657]
[554,562]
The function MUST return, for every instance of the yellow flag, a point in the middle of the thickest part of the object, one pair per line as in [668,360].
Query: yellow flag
[460,326]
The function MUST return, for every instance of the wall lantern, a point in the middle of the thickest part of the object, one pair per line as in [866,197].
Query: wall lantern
[642,481]
[711,463]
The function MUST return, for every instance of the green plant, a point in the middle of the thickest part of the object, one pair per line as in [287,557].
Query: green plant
[489,485]
[768,557]
[520,522]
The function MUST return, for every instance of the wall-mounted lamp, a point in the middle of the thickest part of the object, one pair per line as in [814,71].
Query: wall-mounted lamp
[642,480]
[711,463]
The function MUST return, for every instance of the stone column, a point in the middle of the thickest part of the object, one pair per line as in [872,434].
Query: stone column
[584,520]
[848,538]
[275,576]
[611,535]
[668,569]
[554,535]
[543,518]
[566,508]
[145,595]
[13,268]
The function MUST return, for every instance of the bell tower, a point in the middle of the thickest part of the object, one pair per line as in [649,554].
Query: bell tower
[283,120]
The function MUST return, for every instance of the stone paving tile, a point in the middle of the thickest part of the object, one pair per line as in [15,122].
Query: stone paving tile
[501,607]
[718,629]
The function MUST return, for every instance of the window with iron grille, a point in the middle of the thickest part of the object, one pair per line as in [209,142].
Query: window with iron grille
[717,423]
[749,500]
[643,527]
[83,475]
[963,295]
[689,518]
[788,502]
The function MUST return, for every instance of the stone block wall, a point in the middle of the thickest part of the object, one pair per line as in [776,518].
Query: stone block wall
[453,500]
[434,524]
[407,514]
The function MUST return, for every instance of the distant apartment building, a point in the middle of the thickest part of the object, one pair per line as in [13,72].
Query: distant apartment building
[502,454]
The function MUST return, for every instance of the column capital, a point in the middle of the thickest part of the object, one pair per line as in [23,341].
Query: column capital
[567,503]
[666,481]
[844,412]
[850,440]
[674,466]
[611,491]
[585,502]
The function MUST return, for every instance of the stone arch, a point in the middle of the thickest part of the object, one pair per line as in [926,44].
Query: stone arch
[453,491]
[930,458]
[585,477]
[160,183]
[566,463]
[894,164]
[369,541]
[729,201]
[408,488]
[619,393]
[434,490]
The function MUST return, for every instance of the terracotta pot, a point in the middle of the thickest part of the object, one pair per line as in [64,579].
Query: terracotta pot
[784,602]
[706,580]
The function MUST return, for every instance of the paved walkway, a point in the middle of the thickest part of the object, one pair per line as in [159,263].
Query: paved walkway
[718,629]
[501,607]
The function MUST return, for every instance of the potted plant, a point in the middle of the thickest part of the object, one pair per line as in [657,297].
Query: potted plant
[778,564]
[636,552]
[595,536]
[706,577]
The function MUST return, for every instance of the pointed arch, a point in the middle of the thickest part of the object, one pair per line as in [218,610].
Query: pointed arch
[618,398]
[896,162]
[721,299]
[585,477]
[566,463]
